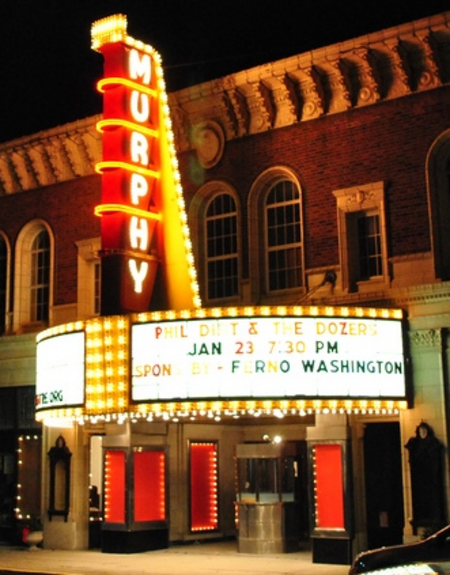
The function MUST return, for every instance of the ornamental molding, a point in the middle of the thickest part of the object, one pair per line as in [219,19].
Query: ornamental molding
[208,140]
[360,197]
[382,66]
[426,338]
[50,157]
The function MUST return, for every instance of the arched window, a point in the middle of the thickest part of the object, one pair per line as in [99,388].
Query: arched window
[221,247]
[33,277]
[283,236]
[276,250]
[438,172]
[40,277]
[214,221]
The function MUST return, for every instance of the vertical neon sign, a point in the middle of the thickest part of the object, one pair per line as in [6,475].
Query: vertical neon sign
[142,210]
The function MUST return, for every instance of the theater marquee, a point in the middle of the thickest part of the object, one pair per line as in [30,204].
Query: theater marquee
[223,362]
[259,357]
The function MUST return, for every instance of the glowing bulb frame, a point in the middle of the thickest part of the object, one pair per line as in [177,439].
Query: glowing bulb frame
[107,379]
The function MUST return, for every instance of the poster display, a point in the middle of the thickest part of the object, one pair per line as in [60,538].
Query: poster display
[60,371]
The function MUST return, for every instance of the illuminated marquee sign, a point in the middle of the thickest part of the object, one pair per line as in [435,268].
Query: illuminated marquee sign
[60,371]
[257,357]
[139,176]
[217,361]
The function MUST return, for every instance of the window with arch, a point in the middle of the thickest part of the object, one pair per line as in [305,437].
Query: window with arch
[40,277]
[33,276]
[438,172]
[3,283]
[221,234]
[283,236]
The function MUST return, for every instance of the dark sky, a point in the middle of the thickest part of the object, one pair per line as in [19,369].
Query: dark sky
[48,70]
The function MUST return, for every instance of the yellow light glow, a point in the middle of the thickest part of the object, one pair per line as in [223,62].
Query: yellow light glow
[114,123]
[111,82]
[106,208]
[100,166]
[108,30]
[107,374]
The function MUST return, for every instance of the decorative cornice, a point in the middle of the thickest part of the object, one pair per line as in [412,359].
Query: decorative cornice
[393,297]
[49,157]
[381,66]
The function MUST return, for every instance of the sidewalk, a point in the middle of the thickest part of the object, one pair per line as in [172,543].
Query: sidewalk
[197,559]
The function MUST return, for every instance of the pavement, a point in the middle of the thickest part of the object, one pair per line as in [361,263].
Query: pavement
[217,558]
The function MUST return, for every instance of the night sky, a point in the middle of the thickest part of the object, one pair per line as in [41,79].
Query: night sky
[48,70]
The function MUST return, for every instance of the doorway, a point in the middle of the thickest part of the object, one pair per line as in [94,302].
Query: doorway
[95,491]
[383,484]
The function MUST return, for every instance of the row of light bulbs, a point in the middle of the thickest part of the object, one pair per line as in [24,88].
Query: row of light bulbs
[121,322]
[17,510]
[216,411]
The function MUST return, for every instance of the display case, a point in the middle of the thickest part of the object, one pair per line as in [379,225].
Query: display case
[331,501]
[267,510]
[135,508]
[203,486]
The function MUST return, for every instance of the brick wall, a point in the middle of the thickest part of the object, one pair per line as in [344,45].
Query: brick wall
[388,141]
[68,210]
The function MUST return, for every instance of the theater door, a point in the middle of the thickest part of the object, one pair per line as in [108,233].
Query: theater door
[383,484]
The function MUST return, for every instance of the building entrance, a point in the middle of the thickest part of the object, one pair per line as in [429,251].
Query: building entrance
[383,484]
